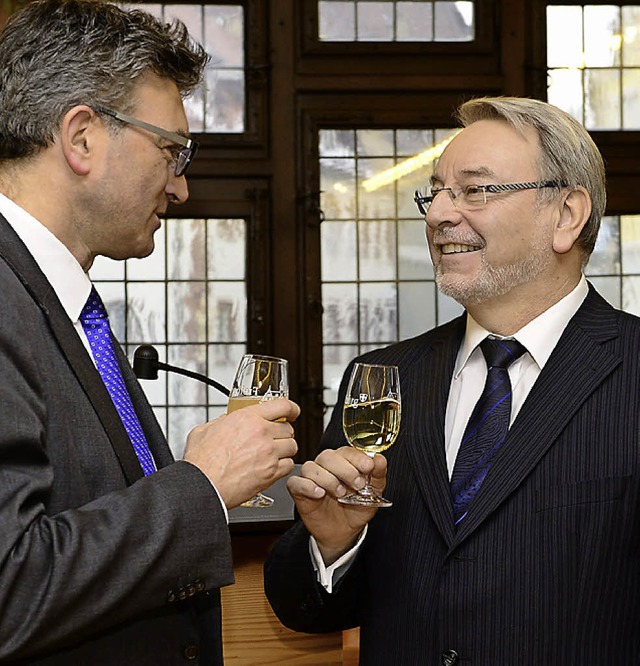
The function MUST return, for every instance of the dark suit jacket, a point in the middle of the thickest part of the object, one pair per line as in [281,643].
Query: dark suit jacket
[545,568]
[98,564]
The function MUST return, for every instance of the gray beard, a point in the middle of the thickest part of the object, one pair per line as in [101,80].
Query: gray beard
[493,282]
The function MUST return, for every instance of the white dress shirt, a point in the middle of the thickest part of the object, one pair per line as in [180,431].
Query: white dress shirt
[539,337]
[71,284]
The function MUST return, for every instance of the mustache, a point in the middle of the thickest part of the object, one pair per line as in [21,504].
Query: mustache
[449,235]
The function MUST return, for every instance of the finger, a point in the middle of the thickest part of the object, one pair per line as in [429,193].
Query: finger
[285,448]
[285,467]
[283,430]
[379,467]
[331,459]
[279,408]
[333,473]
[299,488]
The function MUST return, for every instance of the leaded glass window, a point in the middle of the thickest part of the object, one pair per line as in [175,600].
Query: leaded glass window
[593,56]
[188,299]
[218,106]
[394,21]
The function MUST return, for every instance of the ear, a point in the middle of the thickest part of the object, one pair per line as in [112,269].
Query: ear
[78,138]
[575,211]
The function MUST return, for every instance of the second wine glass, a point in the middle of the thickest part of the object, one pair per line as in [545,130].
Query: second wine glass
[371,419]
[257,379]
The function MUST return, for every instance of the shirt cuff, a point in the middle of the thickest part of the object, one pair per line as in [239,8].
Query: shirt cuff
[328,576]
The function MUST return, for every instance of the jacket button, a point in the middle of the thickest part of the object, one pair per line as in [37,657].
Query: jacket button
[200,586]
[449,658]
[191,590]
[191,652]
[171,597]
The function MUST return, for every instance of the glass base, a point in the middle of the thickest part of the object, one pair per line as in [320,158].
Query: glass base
[258,501]
[368,499]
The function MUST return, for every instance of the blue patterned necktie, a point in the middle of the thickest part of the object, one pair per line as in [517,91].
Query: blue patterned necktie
[95,323]
[488,424]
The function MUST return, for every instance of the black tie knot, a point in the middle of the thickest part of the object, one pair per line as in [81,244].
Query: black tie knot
[501,353]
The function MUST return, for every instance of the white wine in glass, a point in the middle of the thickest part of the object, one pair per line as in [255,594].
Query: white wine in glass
[371,419]
[257,379]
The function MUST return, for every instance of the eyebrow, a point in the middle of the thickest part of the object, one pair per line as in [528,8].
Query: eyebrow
[477,172]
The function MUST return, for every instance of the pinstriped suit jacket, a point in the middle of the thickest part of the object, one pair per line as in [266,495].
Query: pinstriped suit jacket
[89,549]
[545,568]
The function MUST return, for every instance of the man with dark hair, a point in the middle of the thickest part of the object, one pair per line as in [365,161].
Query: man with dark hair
[514,535]
[111,552]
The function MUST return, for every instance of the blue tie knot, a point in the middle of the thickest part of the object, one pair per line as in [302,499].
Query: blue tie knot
[93,308]
[501,353]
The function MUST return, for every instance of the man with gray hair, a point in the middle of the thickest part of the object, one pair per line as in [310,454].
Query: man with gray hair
[514,535]
[111,552]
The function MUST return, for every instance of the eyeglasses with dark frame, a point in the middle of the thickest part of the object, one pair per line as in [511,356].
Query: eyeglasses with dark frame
[473,197]
[184,157]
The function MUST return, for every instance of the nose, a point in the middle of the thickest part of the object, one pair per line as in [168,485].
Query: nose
[443,211]
[177,188]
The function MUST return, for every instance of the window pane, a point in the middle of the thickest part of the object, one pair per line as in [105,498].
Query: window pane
[374,21]
[337,21]
[337,187]
[377,244]
[602,36]
[395,21]
[566,91]
[226,249]
[227,311]
[187,311]
[185,249]
[218,105]
[630,242]
[416,307]
[414,21]
[453,22]
[340,315]
[378,312]
[590,52]
[631,295]
[564,47]
[413,251]
[602,99]
[605,259]
[338,251]
[631,36]
[630,99]
[184,390]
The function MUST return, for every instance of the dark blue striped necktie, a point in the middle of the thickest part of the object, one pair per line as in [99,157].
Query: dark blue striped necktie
[488,424]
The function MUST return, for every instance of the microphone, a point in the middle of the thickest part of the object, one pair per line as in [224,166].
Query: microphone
[146,366]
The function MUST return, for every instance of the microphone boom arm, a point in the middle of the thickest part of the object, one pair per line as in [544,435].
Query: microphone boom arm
[146,366]
[194,375]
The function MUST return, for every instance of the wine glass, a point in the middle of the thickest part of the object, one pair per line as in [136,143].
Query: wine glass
[257,379]
[371,419]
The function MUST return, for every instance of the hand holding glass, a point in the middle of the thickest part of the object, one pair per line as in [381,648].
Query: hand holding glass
[371,419]
[257,379]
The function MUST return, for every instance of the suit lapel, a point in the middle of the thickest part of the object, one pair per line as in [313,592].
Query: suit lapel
[577,366]
[426,388]
[26,269]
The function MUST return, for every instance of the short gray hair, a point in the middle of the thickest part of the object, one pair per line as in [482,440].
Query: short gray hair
[567,151]
[55,54]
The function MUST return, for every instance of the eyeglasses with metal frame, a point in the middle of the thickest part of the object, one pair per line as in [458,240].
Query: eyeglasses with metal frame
[473,197]
[181,159]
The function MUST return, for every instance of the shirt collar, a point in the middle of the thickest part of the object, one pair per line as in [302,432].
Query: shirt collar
[539,336]
[70,283]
